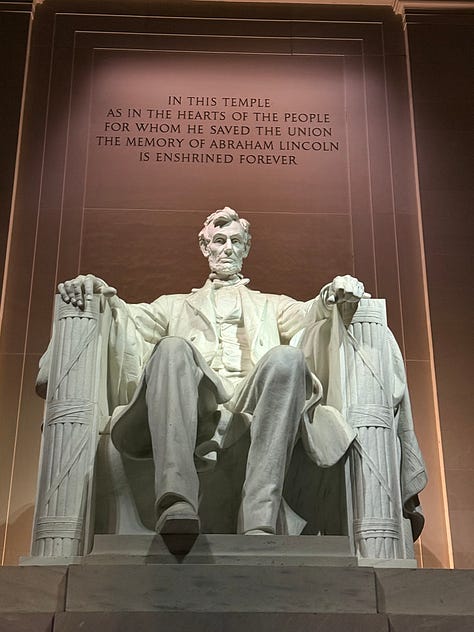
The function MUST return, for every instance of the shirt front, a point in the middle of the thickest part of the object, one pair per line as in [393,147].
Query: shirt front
[232,361]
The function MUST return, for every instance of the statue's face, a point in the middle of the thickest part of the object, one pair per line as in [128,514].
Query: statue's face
[227,249]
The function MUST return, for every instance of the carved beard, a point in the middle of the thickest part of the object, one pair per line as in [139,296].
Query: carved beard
[225,269]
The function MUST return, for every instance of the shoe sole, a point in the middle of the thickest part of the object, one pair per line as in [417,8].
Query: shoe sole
[178,525]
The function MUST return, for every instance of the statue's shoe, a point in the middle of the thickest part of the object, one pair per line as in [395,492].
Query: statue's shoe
[257,532]
[178,519]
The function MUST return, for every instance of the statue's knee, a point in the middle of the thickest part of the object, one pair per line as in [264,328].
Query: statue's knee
[286,360]
[172,345]
[170,350]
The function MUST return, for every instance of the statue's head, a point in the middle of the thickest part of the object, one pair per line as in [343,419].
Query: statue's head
[225,242]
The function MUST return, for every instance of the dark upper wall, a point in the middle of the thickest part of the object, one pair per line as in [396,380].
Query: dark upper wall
[441,59]
[14,24]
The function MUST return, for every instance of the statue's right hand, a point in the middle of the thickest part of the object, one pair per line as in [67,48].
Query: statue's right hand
[81,289]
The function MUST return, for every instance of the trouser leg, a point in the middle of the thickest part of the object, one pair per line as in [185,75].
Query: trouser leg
[173,378]
[275,394]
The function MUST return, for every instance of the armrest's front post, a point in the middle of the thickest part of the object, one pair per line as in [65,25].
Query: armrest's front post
[75,412]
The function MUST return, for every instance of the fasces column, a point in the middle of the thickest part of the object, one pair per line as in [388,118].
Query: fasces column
[76,411]
[380,531]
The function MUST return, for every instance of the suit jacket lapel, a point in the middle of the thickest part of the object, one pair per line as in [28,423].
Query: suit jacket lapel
[254,309]
[200,302]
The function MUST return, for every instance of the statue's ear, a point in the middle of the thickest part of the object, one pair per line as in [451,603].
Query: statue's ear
[204,248]
[247,249]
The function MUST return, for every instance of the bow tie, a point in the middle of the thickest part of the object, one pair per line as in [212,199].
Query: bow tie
[218,283]
[215,284]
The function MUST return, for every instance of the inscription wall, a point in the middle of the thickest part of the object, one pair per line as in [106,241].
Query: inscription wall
[171,126]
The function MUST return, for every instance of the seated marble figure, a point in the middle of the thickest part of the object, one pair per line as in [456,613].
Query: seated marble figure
[217,363]
[241,400]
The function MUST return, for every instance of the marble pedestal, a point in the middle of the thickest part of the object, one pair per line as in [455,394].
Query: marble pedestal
[231,583]
[234,584]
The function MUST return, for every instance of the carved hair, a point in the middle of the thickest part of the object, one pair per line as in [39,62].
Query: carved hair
[223,217]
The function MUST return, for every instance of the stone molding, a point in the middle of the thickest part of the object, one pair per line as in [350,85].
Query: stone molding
[400,6]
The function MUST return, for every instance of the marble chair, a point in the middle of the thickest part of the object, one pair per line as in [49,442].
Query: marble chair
[86,487]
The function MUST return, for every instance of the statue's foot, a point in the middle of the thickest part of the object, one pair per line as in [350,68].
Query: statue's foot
[257,532]
[178,519]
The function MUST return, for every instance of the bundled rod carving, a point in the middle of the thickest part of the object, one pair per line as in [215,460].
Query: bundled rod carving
[372,403]
[76,410]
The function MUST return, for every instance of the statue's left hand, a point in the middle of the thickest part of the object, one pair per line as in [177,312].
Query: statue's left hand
[346,289]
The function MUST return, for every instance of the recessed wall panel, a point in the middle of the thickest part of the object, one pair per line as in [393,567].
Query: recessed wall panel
[173,130]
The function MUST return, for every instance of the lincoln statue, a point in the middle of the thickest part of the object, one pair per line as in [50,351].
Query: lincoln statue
[189,374]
